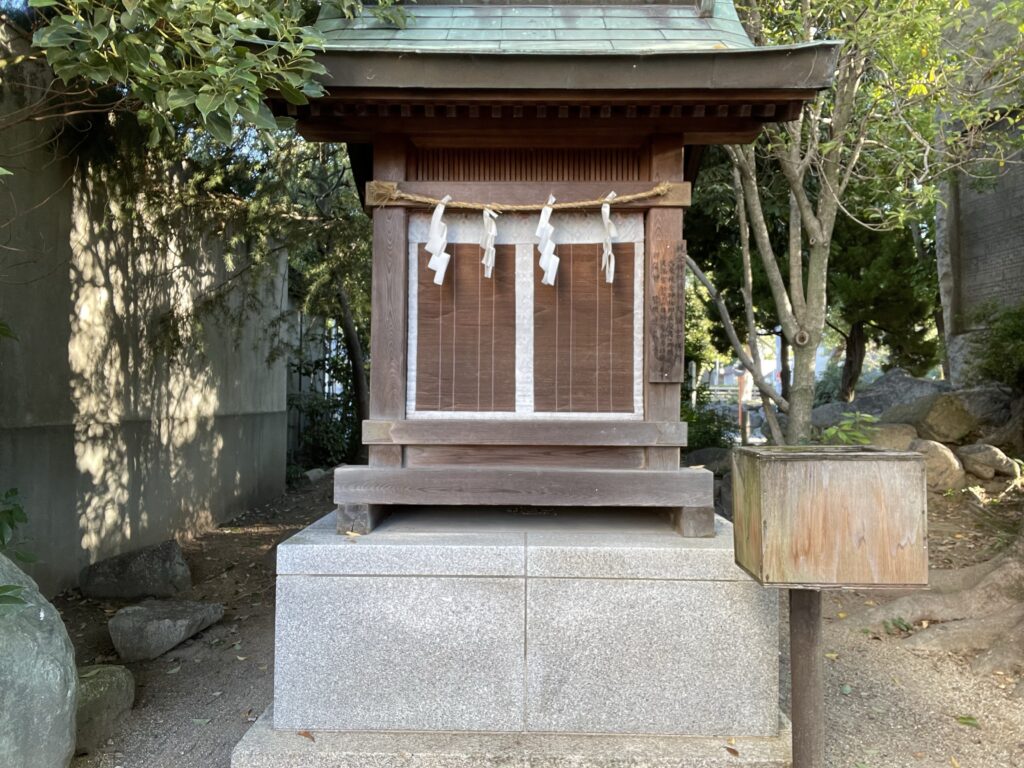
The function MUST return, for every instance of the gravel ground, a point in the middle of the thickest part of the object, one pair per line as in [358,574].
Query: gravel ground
[885,705]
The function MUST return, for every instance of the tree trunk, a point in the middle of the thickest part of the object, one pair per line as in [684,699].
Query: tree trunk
[354,350]
[853,364]
[784,370]
[928,261]
[801,395]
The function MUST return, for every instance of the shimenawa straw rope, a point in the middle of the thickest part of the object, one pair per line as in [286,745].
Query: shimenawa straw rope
[393,193]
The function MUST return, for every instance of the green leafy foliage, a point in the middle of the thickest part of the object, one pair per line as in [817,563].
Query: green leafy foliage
[330,429]
[12,515]
[998,352]
[853,429]
[879,283]
[826,390]
[704,345]
[210,62]
[706,426]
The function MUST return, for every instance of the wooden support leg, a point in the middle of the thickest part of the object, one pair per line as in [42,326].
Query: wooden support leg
[360,518]
[807,673]
[694,522]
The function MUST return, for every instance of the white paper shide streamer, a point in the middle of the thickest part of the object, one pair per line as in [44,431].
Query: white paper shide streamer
[610,233]
[487,243]
[548,261]
[437,242]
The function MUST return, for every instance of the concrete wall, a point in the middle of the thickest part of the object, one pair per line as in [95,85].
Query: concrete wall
[979,230]
[112,442]
[980,253]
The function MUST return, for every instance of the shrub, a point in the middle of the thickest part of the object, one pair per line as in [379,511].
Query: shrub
[330,429]
[998,353]
[826,390]
[707,427]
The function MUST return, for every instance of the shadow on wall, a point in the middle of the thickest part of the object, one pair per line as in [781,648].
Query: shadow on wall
[161,403]
[137,403]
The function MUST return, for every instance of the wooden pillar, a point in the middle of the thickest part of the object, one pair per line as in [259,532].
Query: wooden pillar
[664,310]
[389,301]
[664,291]
[807,673]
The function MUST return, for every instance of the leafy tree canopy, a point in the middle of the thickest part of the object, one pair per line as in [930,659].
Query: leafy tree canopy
[203,61]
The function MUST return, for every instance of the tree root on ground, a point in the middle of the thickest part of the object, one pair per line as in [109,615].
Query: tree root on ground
[976,609]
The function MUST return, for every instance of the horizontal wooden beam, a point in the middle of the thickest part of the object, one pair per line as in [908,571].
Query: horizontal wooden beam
[380,193]
[661,97]
[689,487]
[509,432]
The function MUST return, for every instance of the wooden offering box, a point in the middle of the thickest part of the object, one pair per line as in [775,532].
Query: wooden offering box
[829,516]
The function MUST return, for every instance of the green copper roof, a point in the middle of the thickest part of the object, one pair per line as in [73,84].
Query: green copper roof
[542,29]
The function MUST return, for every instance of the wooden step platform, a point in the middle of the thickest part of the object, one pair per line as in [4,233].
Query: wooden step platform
[364,492]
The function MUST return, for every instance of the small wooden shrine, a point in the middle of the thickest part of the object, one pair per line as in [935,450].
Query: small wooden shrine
[528,166]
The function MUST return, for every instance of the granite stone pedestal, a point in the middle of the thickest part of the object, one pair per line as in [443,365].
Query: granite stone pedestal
[513,639]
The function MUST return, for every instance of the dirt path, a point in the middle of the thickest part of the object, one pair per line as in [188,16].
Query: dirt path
[193,704]
[885,705]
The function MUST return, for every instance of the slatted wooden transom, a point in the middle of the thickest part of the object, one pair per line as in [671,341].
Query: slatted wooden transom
[524,164]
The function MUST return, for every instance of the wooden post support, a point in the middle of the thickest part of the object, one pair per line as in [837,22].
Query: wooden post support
[694,522]
[359,518]
[389,301]
[807,676]
[664,299]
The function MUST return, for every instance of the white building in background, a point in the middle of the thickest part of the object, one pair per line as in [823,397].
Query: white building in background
[723,378]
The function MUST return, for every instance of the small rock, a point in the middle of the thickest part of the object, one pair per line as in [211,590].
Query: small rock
[315,475]
[941,464]
[157,571]
[893,437]
[940,417]
[38,681]
[987,461]
[718,460]
[153,627]
[106,693]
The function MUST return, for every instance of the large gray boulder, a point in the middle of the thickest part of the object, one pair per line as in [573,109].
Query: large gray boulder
[106,693]
[830,414]
[717,460]
[942,467]
[940,417]
[153,627]
[38,680]
[893,437]
[990,406]
[157,571]
[895,387]
[987,461]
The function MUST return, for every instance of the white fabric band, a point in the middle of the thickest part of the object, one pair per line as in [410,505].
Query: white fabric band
[437,242]
[610,233]
[487,242]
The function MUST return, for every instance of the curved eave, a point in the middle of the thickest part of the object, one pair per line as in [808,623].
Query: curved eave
[810,66]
